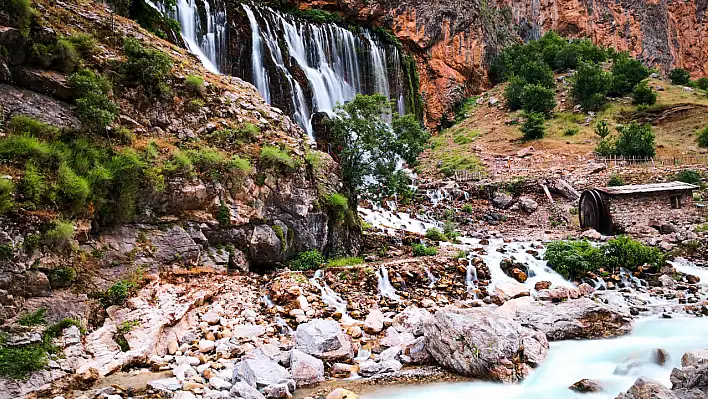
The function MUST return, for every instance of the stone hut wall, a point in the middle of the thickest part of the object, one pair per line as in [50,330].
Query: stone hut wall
[637,212]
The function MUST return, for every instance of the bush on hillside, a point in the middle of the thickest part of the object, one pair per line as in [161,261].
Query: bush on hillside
[93,106]
[635,140]
[534,127]
[627,72]
[602,129]
[20,13]
[702,83]
[643,95]
[615,181]
[537,73]
[435,234]
[513,93]
[60,236]
[20,124]
[572,259]
[6,195]
[538,99]
[679,76]
[338,205]
[689,176]
[307,260]
[590,86]
[148,67]
[195,85]
[630,254]
[702,137]
[274,156]
[423,250]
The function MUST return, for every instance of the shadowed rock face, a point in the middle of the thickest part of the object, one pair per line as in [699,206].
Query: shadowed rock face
[452,41]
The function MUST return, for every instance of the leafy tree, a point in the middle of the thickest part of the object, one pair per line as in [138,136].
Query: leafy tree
[643,95]
[635,140]
[590,86]
[369,148]
[538,99]
[534,127]
[93,106]
[513,92]
[627,72]
[679,76]
[539,73]
[148,67]
[702,83]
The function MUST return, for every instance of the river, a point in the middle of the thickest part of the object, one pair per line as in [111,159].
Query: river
[614,363]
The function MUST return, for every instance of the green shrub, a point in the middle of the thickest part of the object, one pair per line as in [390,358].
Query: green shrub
[422,250]
[572,259]
[689,176]
[241,164]
[60,55]
[20,124]
[124,135]
[435,234]
[513,93]
[571,131]
[23,147]
[615,181]
[117,294]
[19,362]
[194,85]
[590,86]
[274,156]
[679,76]
[223,215]
[179,164]
[702,137]
[602,129]
[702,83]
[538,73]
[538,99]
[147,67]
[31,242]
[635,140]
[643,95]
[60,236]
[534,127]
[342,262]
[630,254]
[6,195]
[93,105]
[338,205]
[62,277]
[34,318]
[126,167]
[627,72]
[55,330]
[467,208]
[20,13]
[84,43]
[450,230]
[6,252]
[307,260]
[606,147]
[73,188]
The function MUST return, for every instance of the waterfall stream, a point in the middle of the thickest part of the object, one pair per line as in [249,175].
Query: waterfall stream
[336,63]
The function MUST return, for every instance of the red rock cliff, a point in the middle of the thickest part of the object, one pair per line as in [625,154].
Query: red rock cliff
[453,40]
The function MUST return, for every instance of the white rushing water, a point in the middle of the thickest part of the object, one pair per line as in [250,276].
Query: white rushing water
[384,285]
[614,363]
[329,56]
[205,38]
[331,298]
[685,266]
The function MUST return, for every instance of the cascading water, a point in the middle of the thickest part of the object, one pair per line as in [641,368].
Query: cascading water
[204,31]
[471,278]
[330,57]
[431,278]
[330,297]
[384,284]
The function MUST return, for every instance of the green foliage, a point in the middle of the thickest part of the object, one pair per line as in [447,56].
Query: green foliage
[627,72]
[702,83]
[450,230]
[467,208]
[538,99]
[537,73]
[19,362]
[307,260]
[60,55]
[93,105]
[702,137]
[689,176]
[126,168]
[571,131]
[20,13]
[74,189]
[615,181]
[22,147]
[60,236]
[84,43]
[679,76]
[464,109]
[127,325]
[338,205]
[422,250]
[223,215]
[6,195]
[369,147]
[6,252]
[314,15]
[275,157]
[342,262]
[572,259]
[435,234]
[513,93]
[20,124]
[194,85]
[643,95]
[33,318]
[148,67]
[602,129]
[590,86]
[117,294]
[31,242]
[55,330]
[534,127]
[623,251]
[635,141]
[62,277]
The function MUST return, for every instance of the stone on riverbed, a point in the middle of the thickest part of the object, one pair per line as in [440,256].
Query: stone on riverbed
[323,339]
[484,343]
[261,372]
[586,385]
[244,391]
[574,319]
[411,320]
[341,393]
[370,368]
[645,388]
[307,370]
[374,322]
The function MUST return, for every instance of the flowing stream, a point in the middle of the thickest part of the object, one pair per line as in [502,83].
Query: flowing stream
[614,363]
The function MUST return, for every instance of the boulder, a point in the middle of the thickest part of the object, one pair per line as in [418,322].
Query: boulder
[693,358]
[370,368]
[374,322]
[323,339]
[586,385]
[502,201]
[265,246]
[306,370]
[691,380]
[574,319]
[528,205]
[341,393]
[483,343]
[244,391]
[261,372]
[411,320]
[645,388]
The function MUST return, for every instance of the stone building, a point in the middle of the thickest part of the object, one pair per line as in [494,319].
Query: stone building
[614,210]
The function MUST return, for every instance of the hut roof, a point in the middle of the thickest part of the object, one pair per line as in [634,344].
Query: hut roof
[648,188]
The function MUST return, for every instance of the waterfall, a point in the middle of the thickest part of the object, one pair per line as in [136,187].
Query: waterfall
[329,297]
[205,38]
[471,278]
[431,277]
[329,57]
[384,285]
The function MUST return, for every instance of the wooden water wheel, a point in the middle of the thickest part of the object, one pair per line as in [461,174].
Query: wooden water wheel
[593,212]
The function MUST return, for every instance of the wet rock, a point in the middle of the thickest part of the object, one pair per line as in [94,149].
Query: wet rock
[261,372]
[370,368]
[574,319]
[660,356]
[306,370]
[691,380]
[341,393]
[511,289]
[502,201]
[374,322]
[695,357]
[455,337]
[417,351]
[323,339]
[542,285]
[645,388]
[586,385]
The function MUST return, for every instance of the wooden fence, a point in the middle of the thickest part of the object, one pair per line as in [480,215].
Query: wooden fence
[660,161]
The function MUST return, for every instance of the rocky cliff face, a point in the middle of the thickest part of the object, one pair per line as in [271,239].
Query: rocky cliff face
[452,41]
